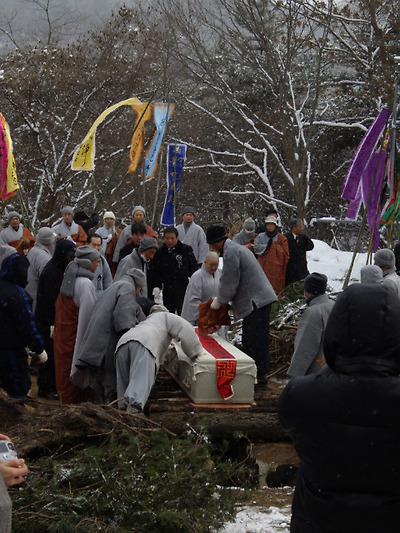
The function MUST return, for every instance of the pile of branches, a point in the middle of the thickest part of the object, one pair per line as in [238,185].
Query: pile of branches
[94,468]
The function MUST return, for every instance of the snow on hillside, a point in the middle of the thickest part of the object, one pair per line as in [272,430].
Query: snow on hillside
[334,264]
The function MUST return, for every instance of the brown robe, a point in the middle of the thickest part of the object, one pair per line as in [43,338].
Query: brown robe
[65,329]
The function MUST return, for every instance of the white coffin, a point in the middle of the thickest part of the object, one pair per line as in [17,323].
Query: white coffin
[198,378]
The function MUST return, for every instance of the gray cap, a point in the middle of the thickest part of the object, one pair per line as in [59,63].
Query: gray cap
[371,274]
[138,275]
[146,243]
[188,209]
[12,214]
[385,258]
[139,208]
[84,255]
[45,236]
[249,223]
[67,209]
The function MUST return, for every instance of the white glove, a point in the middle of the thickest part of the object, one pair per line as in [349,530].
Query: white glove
[42,357]
[215,304]
[156,292]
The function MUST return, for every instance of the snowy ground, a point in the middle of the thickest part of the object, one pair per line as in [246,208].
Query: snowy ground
[260,520]
[334,264]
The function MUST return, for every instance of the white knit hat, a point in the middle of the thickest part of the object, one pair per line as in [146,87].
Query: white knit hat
[108,214]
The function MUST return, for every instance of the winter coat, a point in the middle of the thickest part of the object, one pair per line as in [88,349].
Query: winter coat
[243,282]
[49,284]
[115,312]
[156,333]
[75,231]
[274,259]
[296,268]
[308,356]
[71,323]
[171,272]
[345,420]
[38,258]
[102,276]
[109,241]
[193,235]
[202,287]
[392,280]
[14,237]
[17,325]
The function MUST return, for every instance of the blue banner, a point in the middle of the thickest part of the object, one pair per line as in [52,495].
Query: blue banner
[176,156]
[162,113]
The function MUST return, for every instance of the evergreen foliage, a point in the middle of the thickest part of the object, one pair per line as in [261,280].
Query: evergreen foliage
[131,484]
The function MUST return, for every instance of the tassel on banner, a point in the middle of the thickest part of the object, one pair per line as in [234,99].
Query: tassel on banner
[143,114]
[176,156]
[8,172]
[83,158]
[162,113]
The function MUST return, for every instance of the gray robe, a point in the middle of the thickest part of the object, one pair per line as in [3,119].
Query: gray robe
[243,282]
[195,237]
[133,260]
[115,311]
[102,276]
[202,287]
[63,230]
[308,356]
[38,257]
[392,280]
[9,234]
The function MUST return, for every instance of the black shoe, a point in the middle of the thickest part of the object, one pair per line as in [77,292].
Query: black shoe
[50,395]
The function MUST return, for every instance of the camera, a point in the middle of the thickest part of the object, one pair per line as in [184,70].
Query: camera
[7,451]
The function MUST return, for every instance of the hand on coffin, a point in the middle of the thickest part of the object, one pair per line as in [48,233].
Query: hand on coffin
[213,328]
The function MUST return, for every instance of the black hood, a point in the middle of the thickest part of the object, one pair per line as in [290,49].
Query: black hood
[363,332]
[15,268]
[64,250]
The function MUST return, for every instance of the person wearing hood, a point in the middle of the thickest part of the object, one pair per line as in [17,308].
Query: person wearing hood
[345,420]
[386,261]
[138,216]
[193,235]
[272,251]
[47,293]
[17,328]
[139,258]
[140,351]
[67,228]
[74,307]
[38,257]
[17,235]
[247,234]
[299,245]
[371,274]
[308,356]
[114,313]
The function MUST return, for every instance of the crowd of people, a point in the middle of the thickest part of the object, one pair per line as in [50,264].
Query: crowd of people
[81,287]
[97,307]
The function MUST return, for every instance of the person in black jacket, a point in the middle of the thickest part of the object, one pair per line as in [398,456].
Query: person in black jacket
[170,269]
[299,244]
[17,327]
[345,420]
[48,288]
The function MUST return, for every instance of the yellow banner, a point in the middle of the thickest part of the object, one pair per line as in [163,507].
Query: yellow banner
[84,155]
[135,153]
[12,181]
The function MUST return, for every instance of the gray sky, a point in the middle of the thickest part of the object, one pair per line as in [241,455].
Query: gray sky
[25,19]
